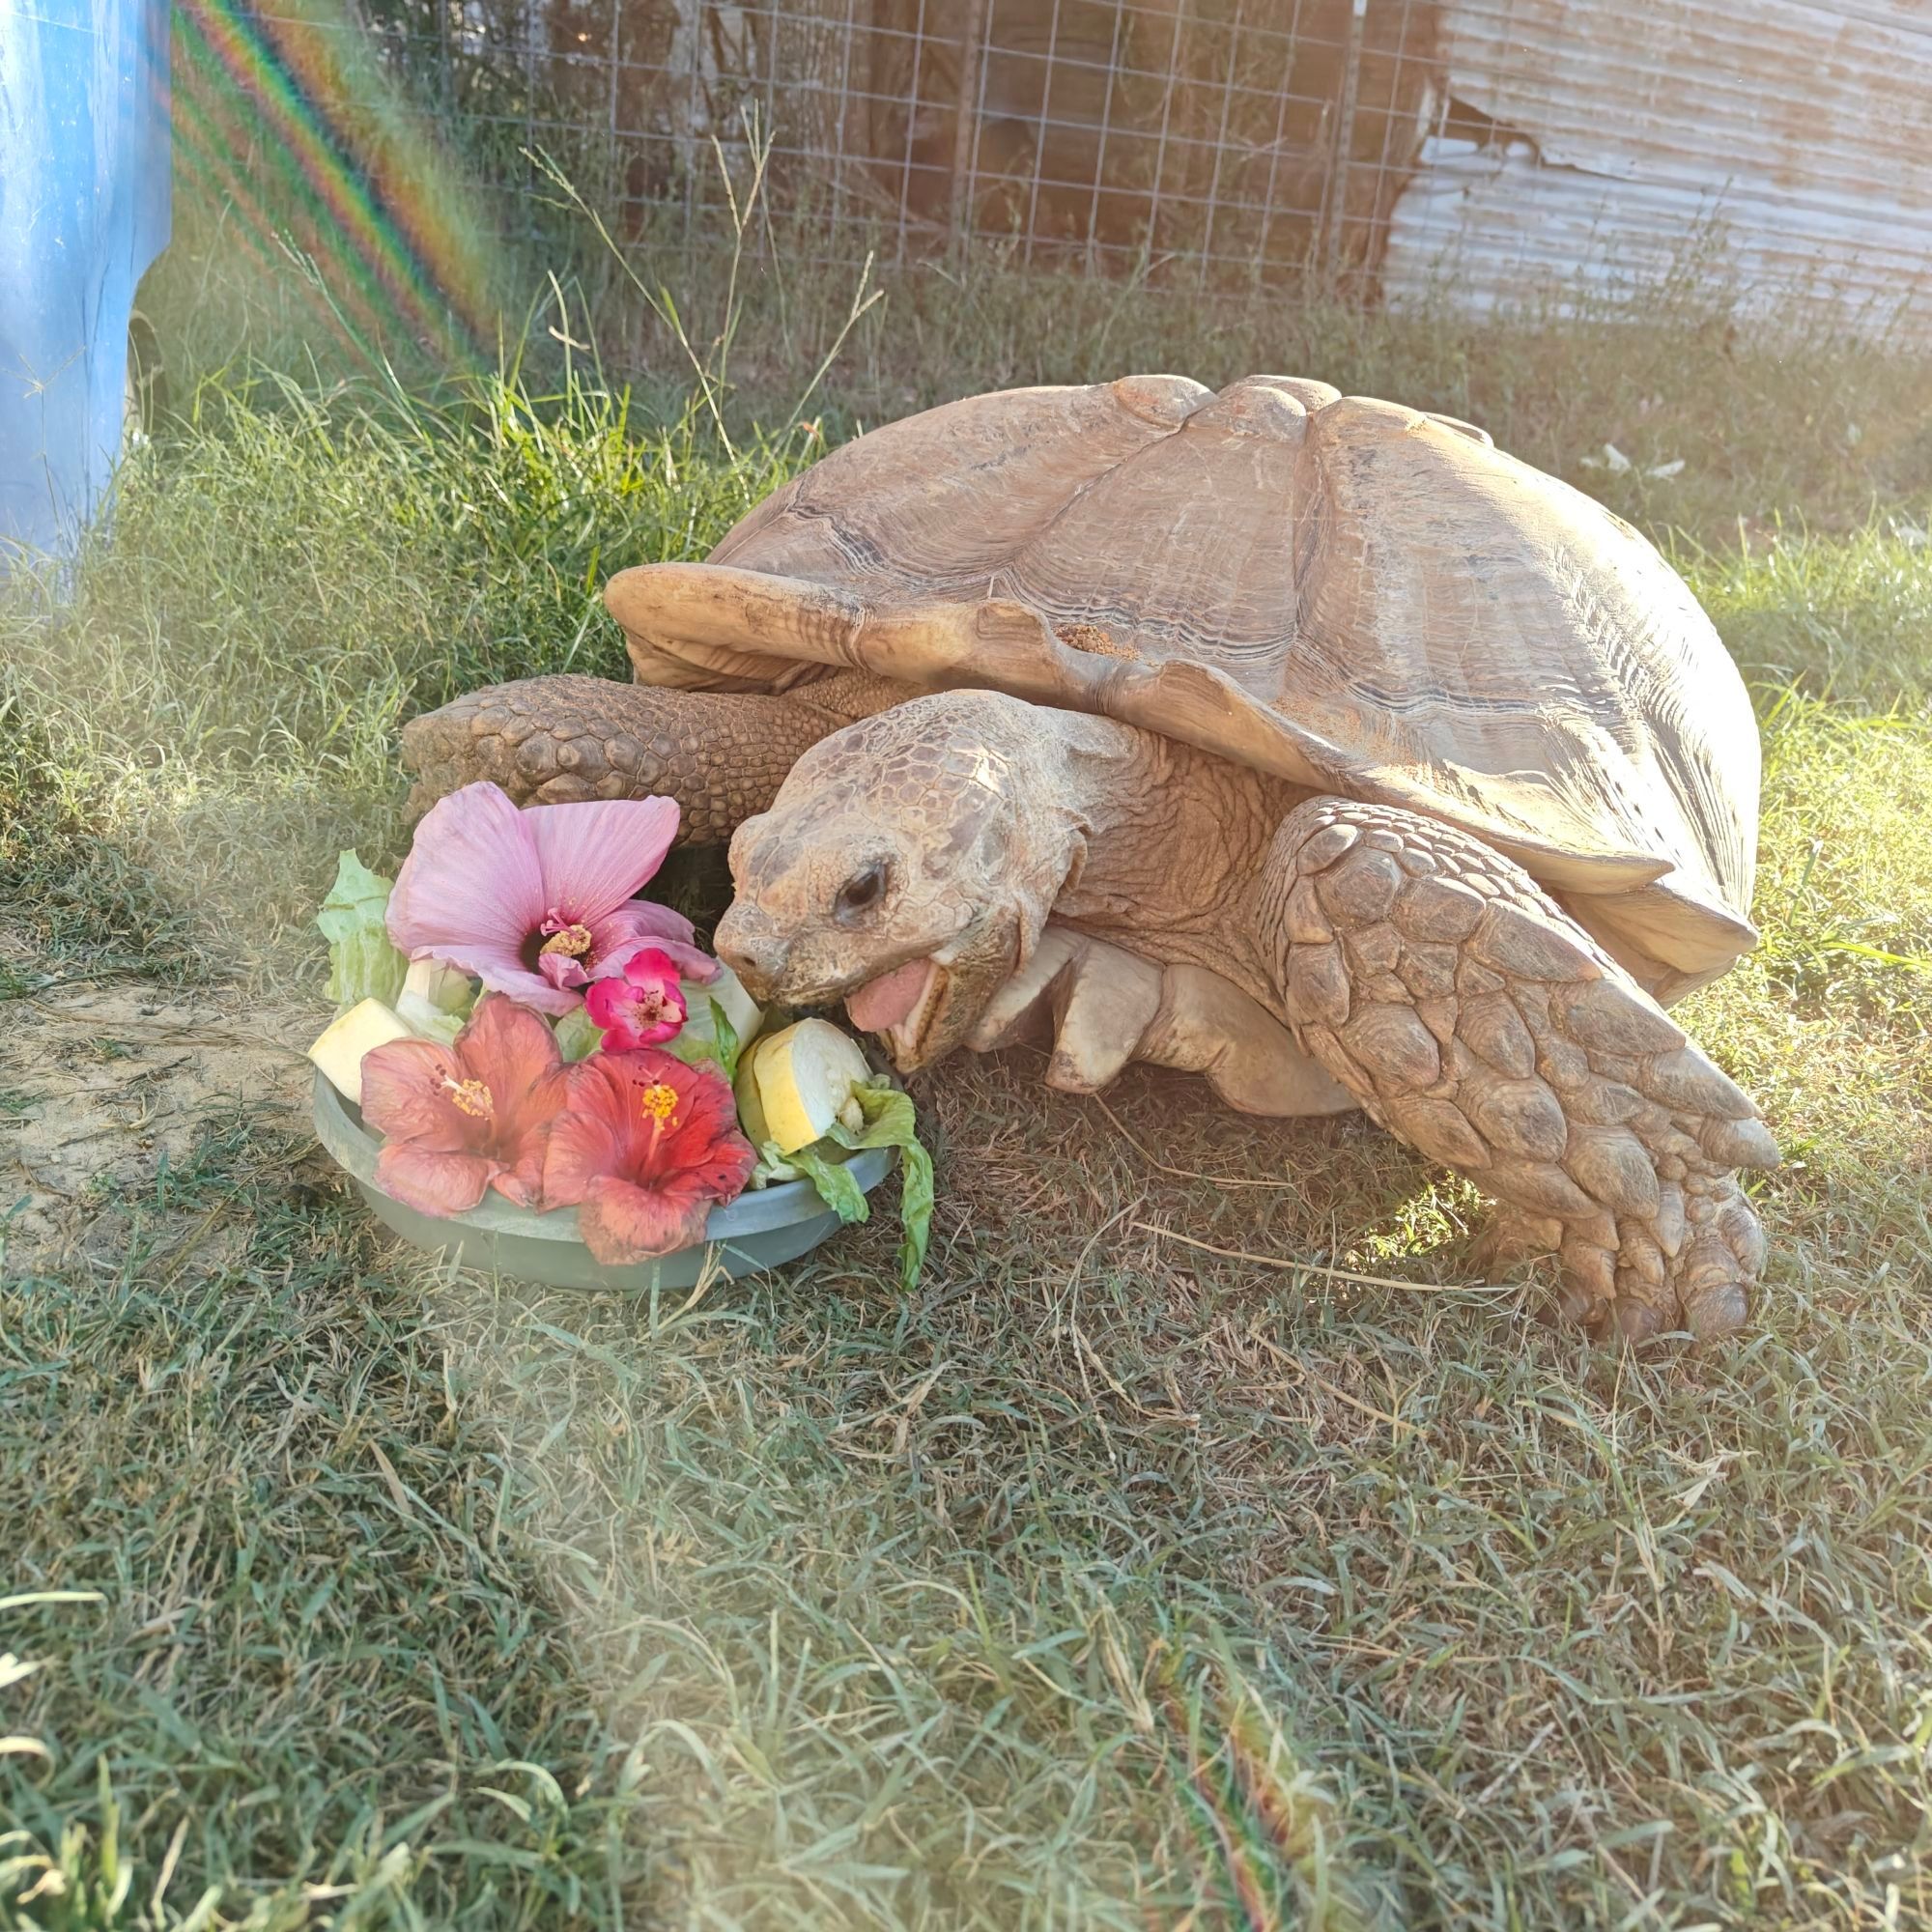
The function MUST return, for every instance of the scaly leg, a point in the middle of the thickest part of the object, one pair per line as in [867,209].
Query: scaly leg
[1104,1008]
[549,740]
[1477,1021]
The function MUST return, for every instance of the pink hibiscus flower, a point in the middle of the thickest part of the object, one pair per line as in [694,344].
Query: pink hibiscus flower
[537,904]
[643,1147]
[463,1119]
[640,1006]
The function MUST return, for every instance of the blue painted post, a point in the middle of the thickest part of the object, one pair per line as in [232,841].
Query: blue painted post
[84,202]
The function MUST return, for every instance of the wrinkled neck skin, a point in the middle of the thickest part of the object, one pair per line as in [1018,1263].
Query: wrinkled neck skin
[1174,838]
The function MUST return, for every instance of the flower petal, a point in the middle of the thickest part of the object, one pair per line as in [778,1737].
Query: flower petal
[562,974]
[433,1181]
[506,1046]
[643,1006]
[652,971]
[502,974]
[699,1140]
[584,1139]
[471,890]
[691,964]
[406,1087]
[616,1130]
[704,1131]
[522,1181]
[649,920]
[623,1224]
[595,853]
[616,939]
[608,1000]
[514,1053]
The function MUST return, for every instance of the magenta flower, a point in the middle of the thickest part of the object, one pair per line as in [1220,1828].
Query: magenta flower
[537,904]
[461,1119]
[643,1147]
[642,1006]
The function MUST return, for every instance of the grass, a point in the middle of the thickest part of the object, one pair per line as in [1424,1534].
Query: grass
[1107,1583]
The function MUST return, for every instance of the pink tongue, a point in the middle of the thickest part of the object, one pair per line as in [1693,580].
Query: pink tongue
[886,1001]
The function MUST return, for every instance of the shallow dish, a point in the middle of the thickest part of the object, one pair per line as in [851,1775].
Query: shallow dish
[761,1229]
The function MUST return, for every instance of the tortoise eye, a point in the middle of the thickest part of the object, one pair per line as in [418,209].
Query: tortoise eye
[863,890]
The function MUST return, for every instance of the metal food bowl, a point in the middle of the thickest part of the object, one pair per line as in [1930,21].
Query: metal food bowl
[762,1229]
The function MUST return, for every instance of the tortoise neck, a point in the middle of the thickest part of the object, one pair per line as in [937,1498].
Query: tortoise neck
[1173,839]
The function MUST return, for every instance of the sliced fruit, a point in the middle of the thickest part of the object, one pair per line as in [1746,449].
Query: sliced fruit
[751,1108]
[804,1076]
[339,1052]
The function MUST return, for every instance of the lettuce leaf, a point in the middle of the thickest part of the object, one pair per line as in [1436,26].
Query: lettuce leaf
[773,1168]
[834,1181]
[707,1036]
[362,964]
[578,1034]
[890,1122]
[436,1000]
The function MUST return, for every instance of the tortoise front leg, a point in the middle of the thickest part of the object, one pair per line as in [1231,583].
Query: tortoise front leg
[550,740]
[1103,1008]
[1477,1021]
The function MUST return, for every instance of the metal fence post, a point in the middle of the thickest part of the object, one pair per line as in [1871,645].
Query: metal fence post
[966,120]
[1335,207]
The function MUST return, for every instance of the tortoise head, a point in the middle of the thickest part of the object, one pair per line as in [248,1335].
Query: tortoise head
[907,866]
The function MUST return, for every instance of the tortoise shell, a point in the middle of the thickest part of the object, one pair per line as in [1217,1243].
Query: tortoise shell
[1362,598]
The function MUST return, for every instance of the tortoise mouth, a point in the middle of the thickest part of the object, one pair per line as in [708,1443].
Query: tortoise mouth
[904,1007]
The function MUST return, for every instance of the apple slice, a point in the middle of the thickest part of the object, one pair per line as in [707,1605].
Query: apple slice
[339,1050]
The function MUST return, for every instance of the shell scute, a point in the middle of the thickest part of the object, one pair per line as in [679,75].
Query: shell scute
[1353,595]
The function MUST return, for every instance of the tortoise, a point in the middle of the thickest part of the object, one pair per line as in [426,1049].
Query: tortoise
[1301,739]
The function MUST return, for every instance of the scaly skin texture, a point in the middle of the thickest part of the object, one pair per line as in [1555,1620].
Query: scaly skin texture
[1102,1008]
[1443,991]
[1477,1021]
[550,740]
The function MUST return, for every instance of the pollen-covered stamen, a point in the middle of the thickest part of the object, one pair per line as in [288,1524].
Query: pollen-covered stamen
[659,1102]
[472,1097]
[571,941]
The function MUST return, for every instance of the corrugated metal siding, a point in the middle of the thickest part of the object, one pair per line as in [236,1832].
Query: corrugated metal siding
[1779,150]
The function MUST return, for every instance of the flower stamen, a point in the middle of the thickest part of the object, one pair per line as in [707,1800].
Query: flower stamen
[571,941]
[472,1097]
[659,1101]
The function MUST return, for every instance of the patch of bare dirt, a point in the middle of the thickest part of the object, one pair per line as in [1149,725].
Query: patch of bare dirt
[104,1080]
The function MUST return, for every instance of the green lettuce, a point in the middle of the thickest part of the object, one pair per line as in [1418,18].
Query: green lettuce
[578,1034]
[362,964]
[436,1000]
[830,1177]
[707,1036]
[890,1123]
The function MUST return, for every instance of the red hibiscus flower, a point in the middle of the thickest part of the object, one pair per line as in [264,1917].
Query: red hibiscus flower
[639,1006]
[643,1147]
[463,1119]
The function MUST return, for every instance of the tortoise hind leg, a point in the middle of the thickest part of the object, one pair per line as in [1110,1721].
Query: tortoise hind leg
[550,740]
[1481,1024]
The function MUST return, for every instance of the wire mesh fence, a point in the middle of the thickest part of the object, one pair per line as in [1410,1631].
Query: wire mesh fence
[1500,149]
[1203,143]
